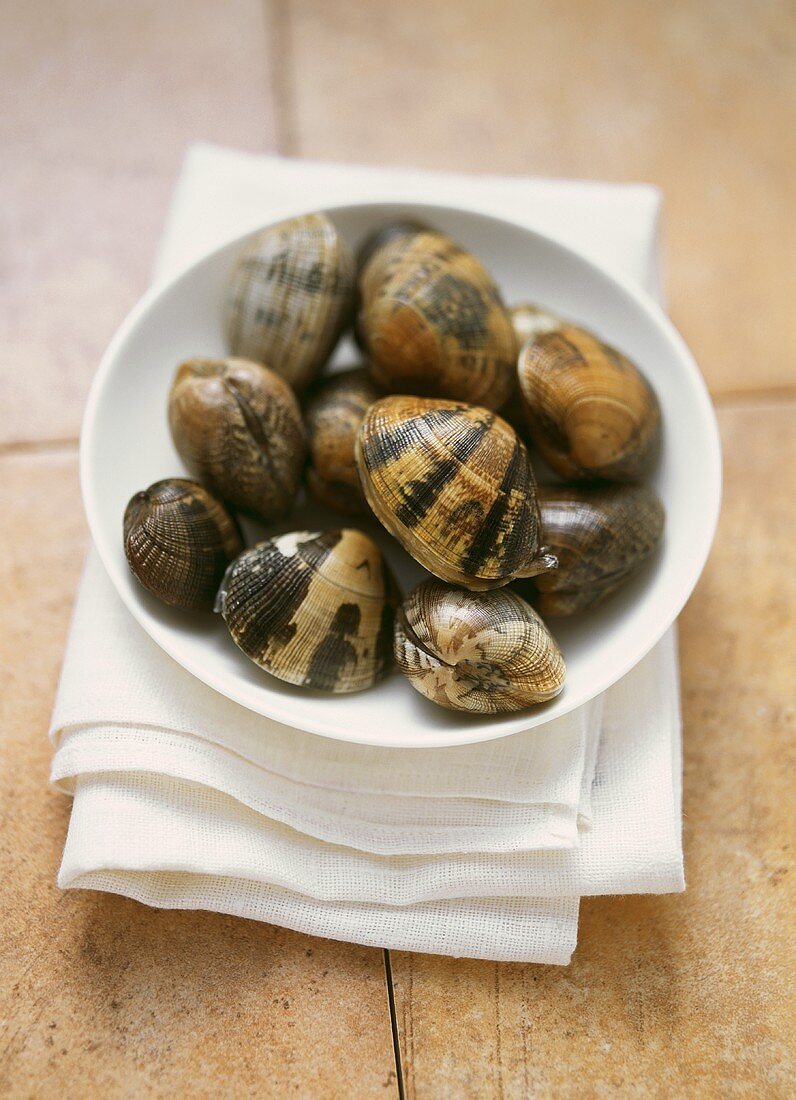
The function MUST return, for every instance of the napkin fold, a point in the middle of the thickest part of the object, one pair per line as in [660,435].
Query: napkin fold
[183,799]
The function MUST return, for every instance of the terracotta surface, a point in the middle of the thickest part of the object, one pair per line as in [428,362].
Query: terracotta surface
[679,997]
[696,96]
[97,103]
[101,996]
[687,995]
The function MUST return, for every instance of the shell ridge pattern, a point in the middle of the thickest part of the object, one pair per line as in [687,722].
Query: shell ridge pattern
[601,536]
[420,494]
[495,653]
[335,657]
[286,608]
[486,536]
[457,490]
[277,604]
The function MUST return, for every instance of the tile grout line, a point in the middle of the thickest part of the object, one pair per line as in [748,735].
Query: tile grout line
[38,446]
[279,48]
[763,396]
[396,1042]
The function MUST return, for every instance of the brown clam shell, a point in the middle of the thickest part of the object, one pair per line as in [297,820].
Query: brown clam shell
[600,534]
[290,295]
[313,609]
[385,234]
[433,322]
[453,483]
[373,243]
[237,426]
[486,652]
[179,540]
[590,411]
[333,417]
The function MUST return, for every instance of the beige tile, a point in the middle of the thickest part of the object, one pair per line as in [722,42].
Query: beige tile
[80,248]
[100,996]
[127,85]
[688,995]
[698,98]
[97,104]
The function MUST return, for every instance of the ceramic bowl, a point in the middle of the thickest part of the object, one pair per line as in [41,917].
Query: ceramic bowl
[126,445]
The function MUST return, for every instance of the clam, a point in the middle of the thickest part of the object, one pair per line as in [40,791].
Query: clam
[237,426]
[453,483]
[290,295]
[179,540]
[385,234]
[314,609]
[487,652]
[529,321]
[590,411]
[373,243]
[433,323]
[600,535]
[333,416]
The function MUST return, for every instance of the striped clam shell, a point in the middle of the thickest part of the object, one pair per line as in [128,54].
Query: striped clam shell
[590,411]
[290,295]
[454,485]
[237,426]
[333,416]
[314,609]
[486,652]
[433,322]
[179,540]
[600,535]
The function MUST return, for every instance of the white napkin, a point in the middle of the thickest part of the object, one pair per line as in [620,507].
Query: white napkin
[183,799]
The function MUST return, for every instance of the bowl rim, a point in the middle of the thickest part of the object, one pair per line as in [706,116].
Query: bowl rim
[386,205]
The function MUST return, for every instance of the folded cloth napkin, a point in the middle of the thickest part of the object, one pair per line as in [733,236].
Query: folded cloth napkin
[183,799]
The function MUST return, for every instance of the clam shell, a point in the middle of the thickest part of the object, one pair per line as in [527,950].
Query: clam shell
[386,234]
[314,609]
[373,243]
[179,540]
[433,322]
[529,321]
[333,417]
[487,652]
[290,296]
[454,485]
[600,535]
[590,411]
[237,426]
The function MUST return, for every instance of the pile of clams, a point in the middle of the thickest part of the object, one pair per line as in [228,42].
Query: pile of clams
[429,439]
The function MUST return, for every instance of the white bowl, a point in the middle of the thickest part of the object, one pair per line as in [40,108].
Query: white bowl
[125,446]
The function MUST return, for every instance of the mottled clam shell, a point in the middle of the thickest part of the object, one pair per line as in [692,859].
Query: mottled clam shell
[373,243]
[590,411]
[433,322]
[529,322]
[237,426]
[487,652]
[313,609]
[453,483]
[290,295]
[333,417]
[600,535]
[179,540]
